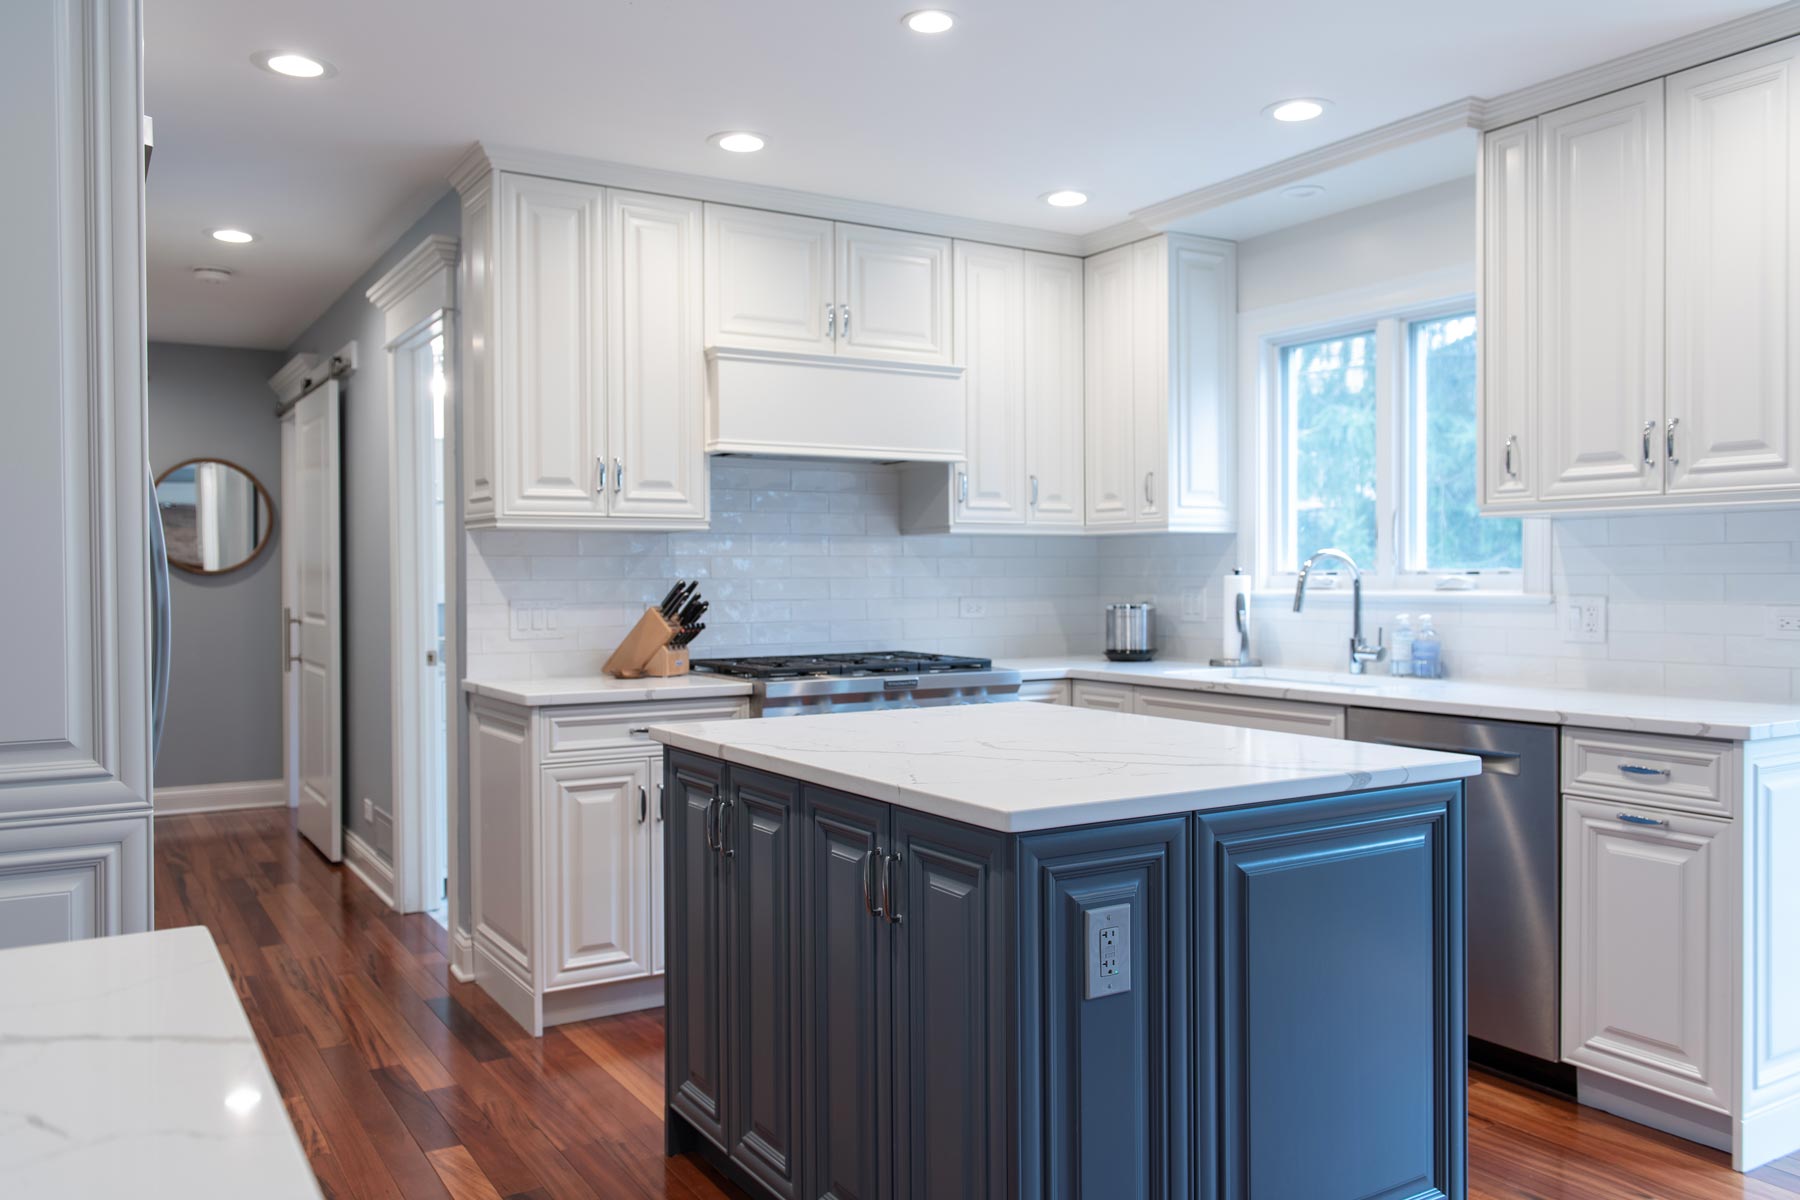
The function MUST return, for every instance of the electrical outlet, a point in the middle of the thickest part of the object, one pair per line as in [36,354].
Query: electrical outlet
[533,620]
[1784,622]
[1108,950]
[971,607]
[1193,604]
[1583,618]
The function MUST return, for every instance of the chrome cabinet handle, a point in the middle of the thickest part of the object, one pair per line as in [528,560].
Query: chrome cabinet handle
[727,808]
[1634,819]
[844,321]
[869,860]
[600,470]
[1669,442]
[1512,441]
[1149,477]
[640,729]
[1034,491]
[830,321]
[712,824]
[888,863]
[962,487]
[1649,459]
[618,476]
[1634,769]
[643,804]
[662,805]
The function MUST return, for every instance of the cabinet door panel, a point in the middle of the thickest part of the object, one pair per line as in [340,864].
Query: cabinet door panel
[597,872]
[696,1001]
[1734,272]
[893,294]
[769,281]
[1370,1078]
[1200,313]
[1600,399]
[1109,409]
[1054,419]
[845,1006]
[952,1011]
[657,393]
[759,828]
[552,376]
[990,340]
[1647,954]
[1509,269]
[1150,381]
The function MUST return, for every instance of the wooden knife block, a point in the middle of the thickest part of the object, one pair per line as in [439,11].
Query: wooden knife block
[645,650]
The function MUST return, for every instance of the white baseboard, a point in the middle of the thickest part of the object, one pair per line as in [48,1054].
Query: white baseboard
[220,797]
[1658,1111]
[462,956]
[367,866]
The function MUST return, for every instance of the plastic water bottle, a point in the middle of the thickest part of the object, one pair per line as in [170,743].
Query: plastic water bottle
[1427,659]
[1400,656]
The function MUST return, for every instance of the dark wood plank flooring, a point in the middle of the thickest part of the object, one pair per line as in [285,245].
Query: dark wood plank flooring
[403,1082]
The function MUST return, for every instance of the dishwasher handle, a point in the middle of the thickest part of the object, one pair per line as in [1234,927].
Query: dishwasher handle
[1493,762]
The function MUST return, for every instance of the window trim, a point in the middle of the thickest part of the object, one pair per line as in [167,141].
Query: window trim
[1390,309]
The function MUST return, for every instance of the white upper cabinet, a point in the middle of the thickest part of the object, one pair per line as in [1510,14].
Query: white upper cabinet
[1161,321]
[990,329]
[1600,336]
[893,293]
[1733,420]
[584,387]
[550,356]
[1053,390]
[769,281]
[657,408]
[1508,314]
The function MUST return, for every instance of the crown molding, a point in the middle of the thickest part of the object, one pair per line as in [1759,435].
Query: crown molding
[483,158]
[1665,58]
[434,256]
[289,382]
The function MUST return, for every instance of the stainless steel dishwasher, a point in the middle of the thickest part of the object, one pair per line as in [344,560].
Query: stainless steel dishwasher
[1512,874]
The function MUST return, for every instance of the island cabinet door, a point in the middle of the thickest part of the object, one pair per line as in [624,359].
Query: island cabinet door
[1330,1048]
[695,985]
[1113,1071]
[759,827]
[946,888]
[845,975]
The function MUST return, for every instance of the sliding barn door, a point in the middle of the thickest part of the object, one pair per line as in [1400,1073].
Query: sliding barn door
[317,632]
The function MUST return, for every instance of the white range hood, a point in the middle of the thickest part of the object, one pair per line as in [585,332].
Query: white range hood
[832,406]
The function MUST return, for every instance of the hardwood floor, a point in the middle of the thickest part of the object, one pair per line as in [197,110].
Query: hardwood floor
[403,1082]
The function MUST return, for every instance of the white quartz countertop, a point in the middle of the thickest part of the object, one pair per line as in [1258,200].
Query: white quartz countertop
[128,1068]
[1021,767]
[1683,716]
[604,689]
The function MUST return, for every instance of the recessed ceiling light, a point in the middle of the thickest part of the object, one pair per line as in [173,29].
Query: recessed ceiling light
[1303,191]
[929,20]
[738,142]
[1301,108]
[1066,198]
[237,237]
[212,275]
[294,66]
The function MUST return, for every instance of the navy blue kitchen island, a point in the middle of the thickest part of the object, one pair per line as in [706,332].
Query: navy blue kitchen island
[1018,951]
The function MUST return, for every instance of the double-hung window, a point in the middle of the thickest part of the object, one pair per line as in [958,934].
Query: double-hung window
[1369,443]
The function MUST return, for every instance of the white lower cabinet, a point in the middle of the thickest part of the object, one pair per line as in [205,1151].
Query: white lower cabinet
[1045,691]
[1281,716]
[1107,697]
[1647,948]
[566,828]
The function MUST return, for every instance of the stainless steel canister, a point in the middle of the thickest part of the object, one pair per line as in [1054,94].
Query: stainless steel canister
[1128,632]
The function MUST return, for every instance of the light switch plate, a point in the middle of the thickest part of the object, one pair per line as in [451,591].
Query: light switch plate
[533,620]
[1193,604]
[1583,618]
[1108,943]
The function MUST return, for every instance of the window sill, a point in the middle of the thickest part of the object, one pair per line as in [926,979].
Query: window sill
[1417,599]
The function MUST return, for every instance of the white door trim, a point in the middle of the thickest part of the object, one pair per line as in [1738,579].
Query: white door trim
[418,301]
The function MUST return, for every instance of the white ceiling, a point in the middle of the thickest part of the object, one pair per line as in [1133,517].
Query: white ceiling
[1132,103]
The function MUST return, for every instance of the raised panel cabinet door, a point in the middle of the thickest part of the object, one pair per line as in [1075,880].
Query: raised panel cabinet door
[1648,955]
[953,1009]
[1107,697]
[893,294]
[759,827]
[1600,297]
[695,1012]
[1733,419]
[551,354]
[656,401]
[1150,381]
[1199,395]
[1508,313]
[1111,475]
[1281,716]
[769,281]
[1054,419]
[1329,958]
[1114,1070]
[596,872]
[845,1006]
[990,339]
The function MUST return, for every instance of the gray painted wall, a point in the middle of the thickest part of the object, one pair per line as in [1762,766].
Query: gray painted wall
[368,690]
[224,722]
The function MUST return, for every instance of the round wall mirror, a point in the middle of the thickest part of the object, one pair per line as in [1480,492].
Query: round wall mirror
[216,516]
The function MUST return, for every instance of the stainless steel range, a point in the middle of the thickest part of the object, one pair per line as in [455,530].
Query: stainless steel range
[797,685]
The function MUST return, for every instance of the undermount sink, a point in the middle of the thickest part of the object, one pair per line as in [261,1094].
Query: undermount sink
[1297,678]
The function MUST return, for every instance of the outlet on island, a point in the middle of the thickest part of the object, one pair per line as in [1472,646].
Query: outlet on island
[1108,950]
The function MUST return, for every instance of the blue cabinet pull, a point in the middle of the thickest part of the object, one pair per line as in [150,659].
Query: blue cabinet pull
[1634,819]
